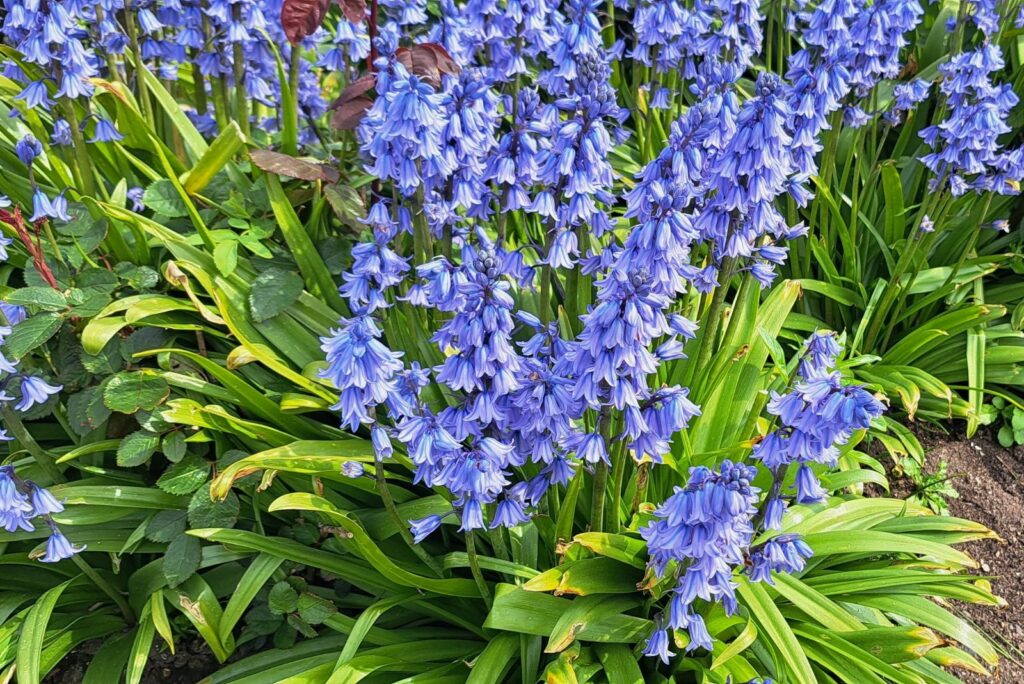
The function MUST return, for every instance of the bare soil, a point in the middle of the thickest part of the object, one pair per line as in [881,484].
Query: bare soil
[990,480]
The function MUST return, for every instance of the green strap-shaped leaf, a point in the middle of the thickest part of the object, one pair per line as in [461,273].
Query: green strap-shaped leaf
[252,580]
[302,501]
[492,665]
[366,621]
[33,632]
[773,625]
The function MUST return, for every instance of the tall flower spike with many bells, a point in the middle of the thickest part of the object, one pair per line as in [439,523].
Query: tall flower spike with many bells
[707,531]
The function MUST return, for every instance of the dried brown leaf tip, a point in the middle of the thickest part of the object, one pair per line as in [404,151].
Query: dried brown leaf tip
[292,167]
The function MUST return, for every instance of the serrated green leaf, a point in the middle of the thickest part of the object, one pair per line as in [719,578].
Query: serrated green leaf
[273,291]
[31,333]
[283,599]
[162,197]
[41,297]
[174,446]
[315,609]
[136,448]
[225,256]
[86,410]
[182,559]
[166,526]
[205,512]
[185,476]
[130,392]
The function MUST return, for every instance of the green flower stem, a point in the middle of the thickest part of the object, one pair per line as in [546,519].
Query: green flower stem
[396,517]
[106,588]
[620,463]
[140,68]
[238,59]
[601,475]
[21,433]
[713,318]
[81,167]
[294,62]
[894,290]
[474,568]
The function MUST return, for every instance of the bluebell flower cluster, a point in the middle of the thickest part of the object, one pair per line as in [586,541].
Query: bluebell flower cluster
[878,34]
[574,172]
[754,167]
[22,502]
[705,532]
[820,76]
[702,532]
[52,37]
[817,416]
[966,151]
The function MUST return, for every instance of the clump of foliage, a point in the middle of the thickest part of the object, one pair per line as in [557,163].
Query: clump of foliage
[559,347]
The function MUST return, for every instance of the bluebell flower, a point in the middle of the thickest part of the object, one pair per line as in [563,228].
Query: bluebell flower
[424,527]
[353,469]
[135,195]
[658,645]
[360,366]
[59,547]
[704,529]
[27,149]
[34,391]
[105,132]
[43,502]
[401,133]
[15,506]
[61,134]
[43,207]
[966,150]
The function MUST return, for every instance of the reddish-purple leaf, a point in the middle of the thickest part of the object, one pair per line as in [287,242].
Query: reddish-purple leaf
[354,10]
[429,61]
[353,103]
[348,114]
[285,165]
[300,18]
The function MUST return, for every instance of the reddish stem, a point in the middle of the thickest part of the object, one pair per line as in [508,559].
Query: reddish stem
[372,25]
[16,221]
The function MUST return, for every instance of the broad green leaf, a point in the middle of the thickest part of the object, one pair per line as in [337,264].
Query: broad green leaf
[366,621]
[134,391]
[198,603]
[495,660]
[158,612]
[314,272]
[137,448]
[33,632]
[525,612]
[582,613]
[182,559]
[252,581]
[31,333]
[139,654]
[616,546]
[228,143]
[778,634]
[306,457]
[370,551]
[620,665]
[273,291]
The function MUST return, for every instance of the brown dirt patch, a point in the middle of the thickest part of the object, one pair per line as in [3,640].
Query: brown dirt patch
[990,480]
